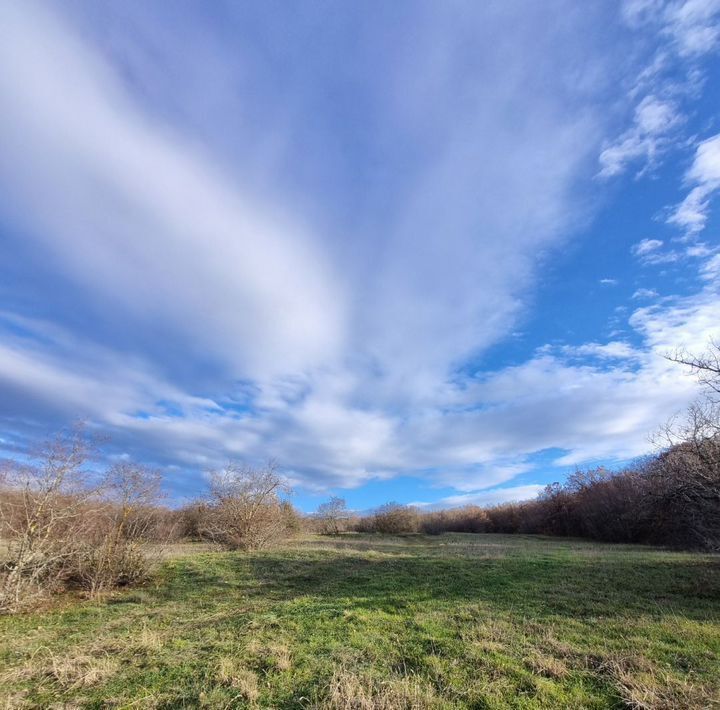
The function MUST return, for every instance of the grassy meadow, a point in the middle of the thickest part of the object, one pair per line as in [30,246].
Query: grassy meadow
[453,621]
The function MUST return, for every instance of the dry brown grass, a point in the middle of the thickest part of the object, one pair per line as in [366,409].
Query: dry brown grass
[548,666]
[642,687]
[357,691]
[148,640]
[275,655]
[232,673]
[68,672]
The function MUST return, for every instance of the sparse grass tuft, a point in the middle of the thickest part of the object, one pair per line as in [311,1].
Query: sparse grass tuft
[233,674]
[357,691]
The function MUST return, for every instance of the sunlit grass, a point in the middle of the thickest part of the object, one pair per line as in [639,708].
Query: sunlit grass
[481,621]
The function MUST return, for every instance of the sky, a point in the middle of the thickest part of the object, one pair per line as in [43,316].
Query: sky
[426,252]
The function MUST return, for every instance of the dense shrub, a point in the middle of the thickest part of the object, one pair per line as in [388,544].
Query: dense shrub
[469,519]
[393,518]
[245,511]
[389,519]
[65,527]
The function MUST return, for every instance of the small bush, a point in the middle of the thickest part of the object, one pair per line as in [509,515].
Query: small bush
[393,519]
[245,510]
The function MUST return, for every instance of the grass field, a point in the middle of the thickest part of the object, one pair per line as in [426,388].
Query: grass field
[456,621]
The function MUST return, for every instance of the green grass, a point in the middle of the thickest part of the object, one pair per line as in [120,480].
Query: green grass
[456,621]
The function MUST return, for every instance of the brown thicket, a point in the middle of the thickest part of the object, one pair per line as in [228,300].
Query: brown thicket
[114,551]
[63,526]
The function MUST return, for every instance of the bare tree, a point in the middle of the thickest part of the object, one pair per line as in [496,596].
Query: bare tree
[687,471]
[331,514]
[246,511]
[706,367]
[686,476]
[69,527]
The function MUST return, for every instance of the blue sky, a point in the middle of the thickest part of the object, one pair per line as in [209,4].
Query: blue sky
[424,252]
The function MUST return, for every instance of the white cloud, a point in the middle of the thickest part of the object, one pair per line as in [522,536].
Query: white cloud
[710,270]
[608,282]
[699,251]
[704,174]
[513,494]
[645,246]
[686,31]
[473,437]
[649,252]
[645,140]
[143,219]
[332,349]
[645,293]
[695,25]
[692,25]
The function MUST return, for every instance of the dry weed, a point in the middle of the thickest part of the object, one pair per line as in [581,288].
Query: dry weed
[351,691]
[548,666]
[232,673]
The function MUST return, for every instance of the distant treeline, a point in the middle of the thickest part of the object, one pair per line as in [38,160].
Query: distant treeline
[671,499]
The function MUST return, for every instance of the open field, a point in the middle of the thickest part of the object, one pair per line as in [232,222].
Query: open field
[455,621]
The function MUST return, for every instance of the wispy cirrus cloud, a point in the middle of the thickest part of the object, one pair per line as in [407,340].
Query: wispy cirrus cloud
[686,31]
[693,26]
[141,218]
[648,137]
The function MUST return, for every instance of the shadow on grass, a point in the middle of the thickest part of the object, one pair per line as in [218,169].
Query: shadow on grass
[537,587]
[533,585]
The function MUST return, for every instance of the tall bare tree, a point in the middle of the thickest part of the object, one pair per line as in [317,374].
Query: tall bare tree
[706,366]
[687,472]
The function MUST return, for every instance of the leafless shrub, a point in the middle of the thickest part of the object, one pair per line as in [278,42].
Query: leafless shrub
[43,515]
[114,552]
[245,511]
[66,527]
[192,520]
[394,518]
[505,518]
[332,515]
[468,519]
